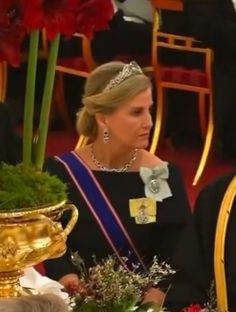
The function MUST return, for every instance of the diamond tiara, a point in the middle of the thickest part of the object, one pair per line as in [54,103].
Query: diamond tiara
[128,70]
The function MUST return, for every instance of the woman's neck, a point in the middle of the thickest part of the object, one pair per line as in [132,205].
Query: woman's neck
[112,157]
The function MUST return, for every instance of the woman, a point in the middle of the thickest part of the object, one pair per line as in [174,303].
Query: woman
[131,203]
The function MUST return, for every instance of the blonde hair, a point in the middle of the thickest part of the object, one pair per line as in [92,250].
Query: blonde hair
[96,100]
[33,303]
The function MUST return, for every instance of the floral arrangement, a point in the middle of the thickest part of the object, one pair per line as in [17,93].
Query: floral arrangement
[21,18]
[108,286]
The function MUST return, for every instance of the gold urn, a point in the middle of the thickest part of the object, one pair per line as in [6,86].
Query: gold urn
[28,237]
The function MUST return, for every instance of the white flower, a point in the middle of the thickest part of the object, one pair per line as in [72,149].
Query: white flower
[155,180]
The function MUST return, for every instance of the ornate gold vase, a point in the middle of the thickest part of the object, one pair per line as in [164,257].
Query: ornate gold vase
[28,237]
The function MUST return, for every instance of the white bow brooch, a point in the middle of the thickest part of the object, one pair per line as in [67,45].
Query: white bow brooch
[156,186]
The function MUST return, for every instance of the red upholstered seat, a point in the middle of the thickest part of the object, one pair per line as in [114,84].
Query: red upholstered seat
[194,77]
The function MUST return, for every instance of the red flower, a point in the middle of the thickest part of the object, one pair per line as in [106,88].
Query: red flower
[10,45]
[67,16]
[93,15]
[57,16]
[12,32]
[193,308]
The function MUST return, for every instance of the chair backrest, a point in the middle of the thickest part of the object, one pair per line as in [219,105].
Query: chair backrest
[86,51]
[81,65]
[219,250]
[157,6]
[186,45]
[176,42]
[64,64]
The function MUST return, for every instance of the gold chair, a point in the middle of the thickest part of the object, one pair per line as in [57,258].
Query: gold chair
[197,80]
[219,250]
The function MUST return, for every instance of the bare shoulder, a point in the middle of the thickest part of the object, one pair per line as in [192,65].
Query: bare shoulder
[149,160]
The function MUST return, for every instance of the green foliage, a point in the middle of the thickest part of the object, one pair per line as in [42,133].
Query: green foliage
[125,305]
[23,187]
[82,306]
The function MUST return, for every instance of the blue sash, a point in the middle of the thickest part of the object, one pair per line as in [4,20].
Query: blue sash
[102,210]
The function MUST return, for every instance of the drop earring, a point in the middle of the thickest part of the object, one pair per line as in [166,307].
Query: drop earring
[106,135]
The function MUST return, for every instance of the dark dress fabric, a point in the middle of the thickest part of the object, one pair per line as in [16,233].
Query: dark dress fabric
[194,258]
[151,239]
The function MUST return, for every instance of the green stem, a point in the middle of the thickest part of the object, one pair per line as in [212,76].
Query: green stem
[30,98]
[46,103]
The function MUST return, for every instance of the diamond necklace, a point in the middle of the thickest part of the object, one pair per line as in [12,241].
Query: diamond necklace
[121,169]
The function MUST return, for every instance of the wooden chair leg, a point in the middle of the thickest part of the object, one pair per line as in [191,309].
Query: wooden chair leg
[158,121]
[3,81]
[207,144]
[202,113]
[59,103]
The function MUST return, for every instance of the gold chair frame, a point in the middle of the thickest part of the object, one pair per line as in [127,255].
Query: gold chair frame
[3,81]
[219,250]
